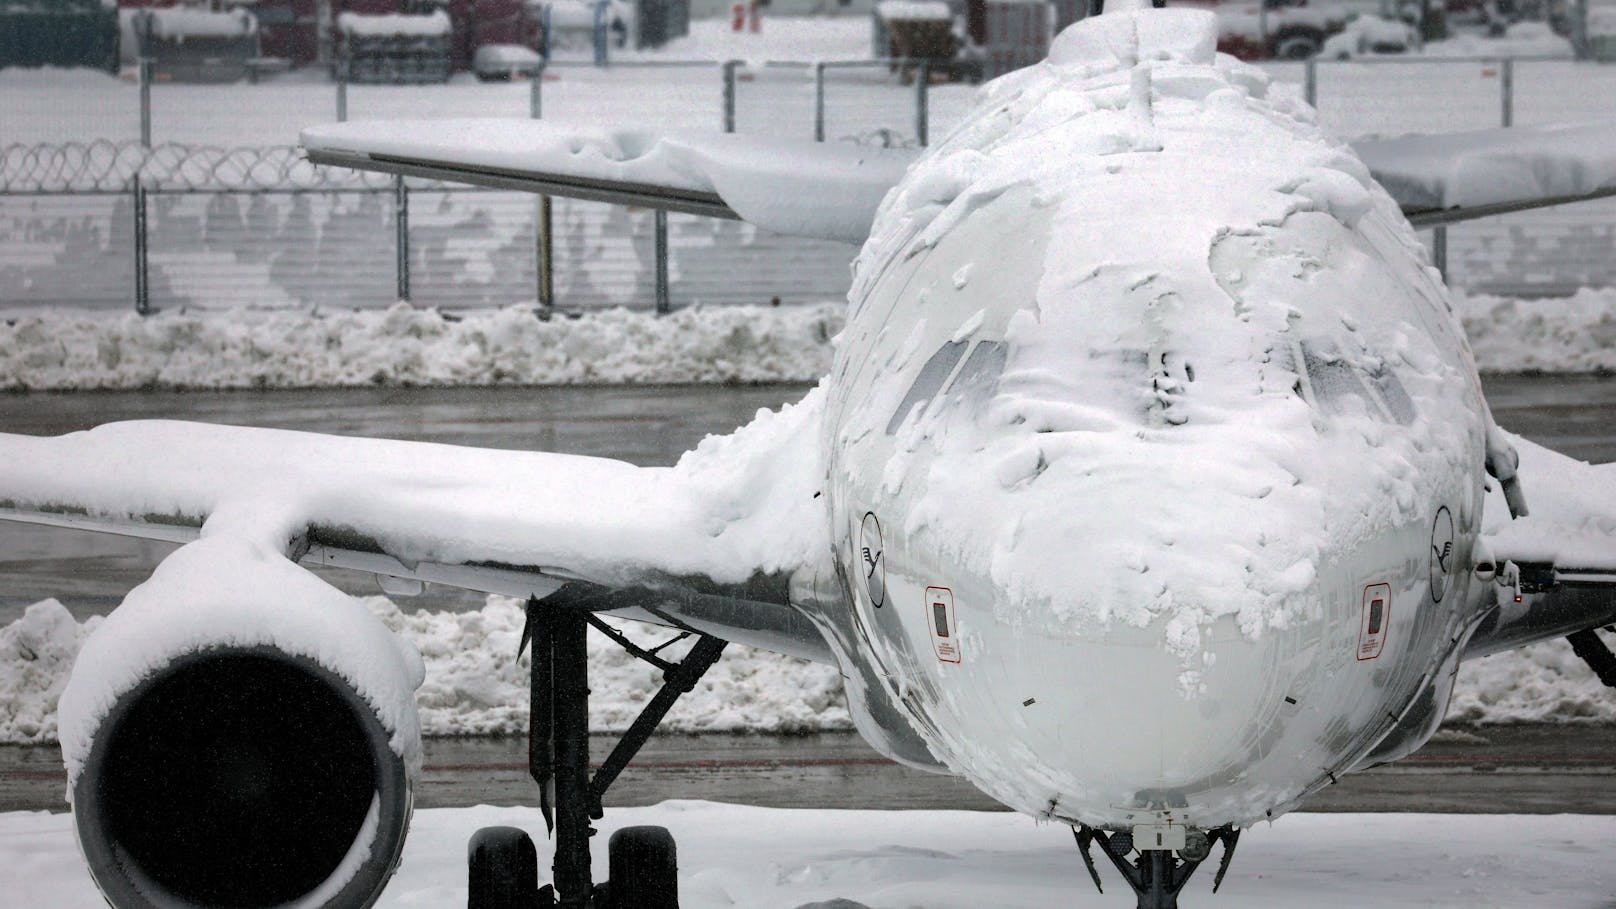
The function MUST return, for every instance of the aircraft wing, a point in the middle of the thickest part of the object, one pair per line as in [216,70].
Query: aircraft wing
[831,190]
[1450,177]
[825,190]
[709,544]
[1556,568]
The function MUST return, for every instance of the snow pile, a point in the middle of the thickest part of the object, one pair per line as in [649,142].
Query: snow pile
[474,684]
[67,349]
[433,25]
[36,654]
[1369,35]
[1521,39]
[1561,334]
[61,349]
[1540,683]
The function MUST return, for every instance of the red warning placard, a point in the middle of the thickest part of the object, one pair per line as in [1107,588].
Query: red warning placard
[940,615]
[1377,618]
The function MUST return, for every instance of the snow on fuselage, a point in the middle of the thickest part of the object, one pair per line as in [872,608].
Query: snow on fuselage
[1156,453]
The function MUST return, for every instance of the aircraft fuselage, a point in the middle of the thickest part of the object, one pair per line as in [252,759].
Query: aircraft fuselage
[1156,454]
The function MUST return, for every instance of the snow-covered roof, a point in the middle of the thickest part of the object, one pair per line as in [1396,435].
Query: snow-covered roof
[914,9]
[434,24]
[179,23]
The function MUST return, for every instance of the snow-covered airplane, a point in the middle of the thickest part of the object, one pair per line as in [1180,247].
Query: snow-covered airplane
[1149,492]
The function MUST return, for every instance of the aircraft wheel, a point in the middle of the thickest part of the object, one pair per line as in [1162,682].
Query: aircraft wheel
[644,869]
[503,869]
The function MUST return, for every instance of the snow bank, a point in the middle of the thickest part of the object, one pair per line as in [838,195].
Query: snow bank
[473,682]
[60,349]
[1522,39]
[66,349]
[1369,35]
[1564,334]
[475,686]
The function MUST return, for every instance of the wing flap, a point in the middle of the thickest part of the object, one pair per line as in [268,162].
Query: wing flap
[812,189]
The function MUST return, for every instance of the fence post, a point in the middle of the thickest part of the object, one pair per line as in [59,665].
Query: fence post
[662,305]
[922,112]
[1311,83]
[145,100]
[546,257]
[342,86]
[819,101]
[142,283]
[535,95]
[1439,250]
[401,221]
[1506,90]
[729,94]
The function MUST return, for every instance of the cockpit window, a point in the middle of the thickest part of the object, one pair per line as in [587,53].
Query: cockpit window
[928,383]
[978,379]
[1334,383]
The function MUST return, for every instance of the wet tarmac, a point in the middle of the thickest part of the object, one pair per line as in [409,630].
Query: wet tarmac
[1524,769]
[1485,770]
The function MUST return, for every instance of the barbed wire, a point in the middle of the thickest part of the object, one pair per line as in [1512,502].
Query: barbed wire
[105,166]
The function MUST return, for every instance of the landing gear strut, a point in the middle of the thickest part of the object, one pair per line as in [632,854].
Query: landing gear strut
[1157,875]
[642,859]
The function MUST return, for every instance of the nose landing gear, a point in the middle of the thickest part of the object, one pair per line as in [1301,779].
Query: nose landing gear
[1157,875]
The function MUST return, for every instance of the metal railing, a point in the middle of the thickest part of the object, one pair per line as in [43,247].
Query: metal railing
[1506,79]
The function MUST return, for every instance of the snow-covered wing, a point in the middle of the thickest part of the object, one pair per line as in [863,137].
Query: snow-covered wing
[1560,559]
[709,543]
[1441,179]
[812,189]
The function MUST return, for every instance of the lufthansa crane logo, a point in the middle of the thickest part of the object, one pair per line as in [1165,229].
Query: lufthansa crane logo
[872,560]
[1441,553]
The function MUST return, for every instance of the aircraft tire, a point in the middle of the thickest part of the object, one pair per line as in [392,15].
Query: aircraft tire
[502,869]
[644,869]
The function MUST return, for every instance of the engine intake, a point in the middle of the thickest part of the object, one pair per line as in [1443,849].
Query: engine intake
[242,777]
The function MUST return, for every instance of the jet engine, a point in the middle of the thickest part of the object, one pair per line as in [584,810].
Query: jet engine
[236,754]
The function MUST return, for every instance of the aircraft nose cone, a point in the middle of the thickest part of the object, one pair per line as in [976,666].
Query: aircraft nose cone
[1118,728]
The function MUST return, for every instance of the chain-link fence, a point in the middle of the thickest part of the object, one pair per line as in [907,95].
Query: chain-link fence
[116,224]
[120,221]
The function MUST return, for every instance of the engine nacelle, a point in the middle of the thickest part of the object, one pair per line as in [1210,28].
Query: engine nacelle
[250,745]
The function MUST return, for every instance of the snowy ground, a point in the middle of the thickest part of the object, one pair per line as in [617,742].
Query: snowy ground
[475,686]
[68,349]
[761,858]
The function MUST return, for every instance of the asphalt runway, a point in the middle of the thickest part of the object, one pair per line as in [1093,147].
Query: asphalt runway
[1517,769]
